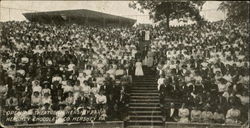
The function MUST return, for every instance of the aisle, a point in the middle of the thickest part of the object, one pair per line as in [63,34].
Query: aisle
[144,105]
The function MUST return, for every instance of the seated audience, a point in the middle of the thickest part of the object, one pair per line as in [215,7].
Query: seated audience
[183,114]
[78,66]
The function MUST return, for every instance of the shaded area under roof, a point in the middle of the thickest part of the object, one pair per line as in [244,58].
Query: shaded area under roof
[80,16]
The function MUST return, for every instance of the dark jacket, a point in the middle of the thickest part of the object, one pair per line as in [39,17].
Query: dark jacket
[172,117]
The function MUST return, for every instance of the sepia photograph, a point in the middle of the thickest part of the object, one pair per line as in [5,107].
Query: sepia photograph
[124,64]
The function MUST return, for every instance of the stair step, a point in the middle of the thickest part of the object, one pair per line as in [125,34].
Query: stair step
[144,94]
[153,78]
[146,80]
[155,107]
[149,79]
[142,101]
[138,98]
[145,117]
[159,121]
[143,88]
[144,91]
[145,122]
[146,76]
[148,86]
[144,85]
[148,113]
[145,100]
[144,97]
[144,104]
[141,83]
[139,126]
[144,108]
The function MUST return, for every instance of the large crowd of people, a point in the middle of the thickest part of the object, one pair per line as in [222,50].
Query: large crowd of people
[65,68]
[70,70]
[207,69]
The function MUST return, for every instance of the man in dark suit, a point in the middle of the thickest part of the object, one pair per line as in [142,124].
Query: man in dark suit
[162,92]
[221,101]
[122,103]
[171,113]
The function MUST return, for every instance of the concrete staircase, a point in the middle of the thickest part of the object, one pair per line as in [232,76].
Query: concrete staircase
[144,106]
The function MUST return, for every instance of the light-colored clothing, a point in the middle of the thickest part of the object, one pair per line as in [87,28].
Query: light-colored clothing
[232,116]
[150,60]
[147,35]
[37,88]
[138,69]
[119,72]
[101,99]
[77,90]
[160,82]
[57,78]
[60,117]
[82,79]
[71,67]
[46,90]
[219,116]
[195,115]
[183,114]
[67,88]
[222,87]
[70,100]
[244,99]
[46,100]
[36,100]
[3,90]
[86,89]
[206,116]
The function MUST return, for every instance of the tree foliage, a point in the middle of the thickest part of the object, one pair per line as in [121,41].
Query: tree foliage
[236,11]
[164,11]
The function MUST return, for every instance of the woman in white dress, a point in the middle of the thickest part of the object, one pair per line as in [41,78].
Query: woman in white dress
[138,68]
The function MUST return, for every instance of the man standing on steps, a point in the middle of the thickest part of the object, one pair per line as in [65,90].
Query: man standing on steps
[171,113]
[144,38]
[144,41]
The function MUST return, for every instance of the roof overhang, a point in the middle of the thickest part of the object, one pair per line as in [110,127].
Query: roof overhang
[76,16]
